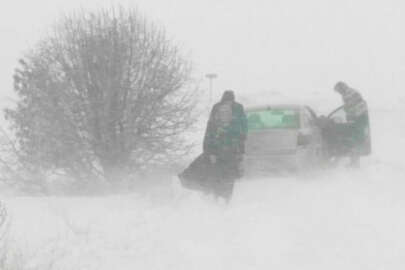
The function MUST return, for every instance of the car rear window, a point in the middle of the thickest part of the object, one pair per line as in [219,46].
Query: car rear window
[273,119]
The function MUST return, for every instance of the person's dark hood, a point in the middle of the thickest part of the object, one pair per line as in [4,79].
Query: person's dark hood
[341,87]
[228,95]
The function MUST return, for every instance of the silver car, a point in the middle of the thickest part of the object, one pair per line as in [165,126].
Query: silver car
[281,138]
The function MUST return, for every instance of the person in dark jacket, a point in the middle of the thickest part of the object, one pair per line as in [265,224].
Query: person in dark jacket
[357,117]
[224,143]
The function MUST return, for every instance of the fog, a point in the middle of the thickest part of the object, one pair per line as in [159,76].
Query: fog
[268,52]
[253,46]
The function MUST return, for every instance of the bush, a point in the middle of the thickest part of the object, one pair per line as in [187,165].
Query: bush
[106,94]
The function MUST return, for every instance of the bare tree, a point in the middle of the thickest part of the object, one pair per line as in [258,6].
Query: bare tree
[106,93]
[14,172]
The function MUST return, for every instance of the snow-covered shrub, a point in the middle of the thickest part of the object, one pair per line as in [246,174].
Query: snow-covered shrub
[103,97]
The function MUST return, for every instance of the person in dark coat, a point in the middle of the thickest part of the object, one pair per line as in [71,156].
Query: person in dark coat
[357,116]
[224,143]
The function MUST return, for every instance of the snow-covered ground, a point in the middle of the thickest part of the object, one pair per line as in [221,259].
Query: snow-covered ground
[335,219]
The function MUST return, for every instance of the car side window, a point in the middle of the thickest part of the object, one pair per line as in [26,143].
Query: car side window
[339,116]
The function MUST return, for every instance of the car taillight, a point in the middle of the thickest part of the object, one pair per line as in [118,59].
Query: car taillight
[303,139]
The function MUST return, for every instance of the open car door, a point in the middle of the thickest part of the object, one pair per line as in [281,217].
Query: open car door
[343,138]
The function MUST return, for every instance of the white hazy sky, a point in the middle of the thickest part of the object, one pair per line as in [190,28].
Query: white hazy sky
[292,46]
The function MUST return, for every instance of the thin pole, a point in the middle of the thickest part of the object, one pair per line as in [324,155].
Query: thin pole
[211,85]
[211,77]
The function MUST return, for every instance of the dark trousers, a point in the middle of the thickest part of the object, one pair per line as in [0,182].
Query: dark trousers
[360,139]
[227,170]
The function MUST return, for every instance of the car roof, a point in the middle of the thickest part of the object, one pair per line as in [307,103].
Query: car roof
[276,106]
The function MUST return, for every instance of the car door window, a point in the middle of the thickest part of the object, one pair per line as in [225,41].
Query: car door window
[338,116]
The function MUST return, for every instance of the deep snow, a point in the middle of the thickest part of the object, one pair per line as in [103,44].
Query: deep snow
[337,219]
